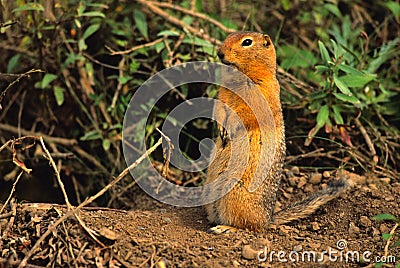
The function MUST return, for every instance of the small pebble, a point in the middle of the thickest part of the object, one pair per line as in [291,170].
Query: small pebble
[326,174]
[293,181]
[364,221]
[167,219]
[249,253]
[373,186]
[297,248]
[161,264]
[353,229]
[262,242]
[316,178]
[295,170]
[236,263]
[384,229]
[357,179]
[315,226]
[109,234]
[302,182]
[309,188]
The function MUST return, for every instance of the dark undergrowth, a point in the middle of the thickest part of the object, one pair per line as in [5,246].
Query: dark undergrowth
[68,70]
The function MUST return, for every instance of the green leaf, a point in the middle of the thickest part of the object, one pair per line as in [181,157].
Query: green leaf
[196,41]
[349,70]
[341,85]
[134,66]
[384,217]
[379,264]
[12,65]
[286,4]
[318,95]
[106,144]
[90,30]
[47,79]
[322,116]
[347,98]
[357,81]
[334,10]
[322,68]
[59,95]
[187,20]
[159,46]
[29,6]
[336,115]
[77,23]
[386,53]
[386,236]
[168,33]
[324,52]
[91,135]
[140,21]
[394,7]
[296,57]
[124,79]
[93,14]
[82,45]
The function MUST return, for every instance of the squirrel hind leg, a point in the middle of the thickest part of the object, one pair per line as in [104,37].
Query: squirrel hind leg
[222,229]
[308,206]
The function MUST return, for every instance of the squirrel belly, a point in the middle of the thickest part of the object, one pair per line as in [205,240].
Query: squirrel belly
[253,54]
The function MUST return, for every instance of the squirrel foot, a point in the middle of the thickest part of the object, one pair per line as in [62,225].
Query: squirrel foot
[222,229]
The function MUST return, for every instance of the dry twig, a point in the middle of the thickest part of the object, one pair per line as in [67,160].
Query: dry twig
[61,184]
[17,80]
[53,165]
[24,132]
[195,14]
[390,238]
[150,44]
[12,191]
[367,140]
[198,32]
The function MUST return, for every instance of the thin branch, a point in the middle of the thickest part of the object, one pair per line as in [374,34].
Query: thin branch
[12,191]
[100,63]
[390,238]
[18,79]
[198,32]
[119,86]
[367,140]
[24,132]
[113,52]
[195,14]
[53,165]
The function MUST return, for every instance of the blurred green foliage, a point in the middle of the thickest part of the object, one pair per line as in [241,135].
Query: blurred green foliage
[343,56]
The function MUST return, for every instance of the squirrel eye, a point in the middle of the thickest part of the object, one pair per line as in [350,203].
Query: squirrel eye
[247,42]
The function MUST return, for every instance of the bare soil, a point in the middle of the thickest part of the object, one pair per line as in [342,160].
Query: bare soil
[157,235]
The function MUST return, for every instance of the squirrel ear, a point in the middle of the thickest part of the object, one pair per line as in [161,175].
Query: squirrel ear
[267,40]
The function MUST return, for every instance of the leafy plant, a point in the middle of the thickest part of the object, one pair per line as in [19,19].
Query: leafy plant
[392,239]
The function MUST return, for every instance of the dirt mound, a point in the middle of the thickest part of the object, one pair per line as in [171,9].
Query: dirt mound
[340,234]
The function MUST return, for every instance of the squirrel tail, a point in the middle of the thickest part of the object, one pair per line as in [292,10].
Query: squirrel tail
[309,205]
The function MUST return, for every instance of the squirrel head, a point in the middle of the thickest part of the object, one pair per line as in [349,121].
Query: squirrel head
[251,53]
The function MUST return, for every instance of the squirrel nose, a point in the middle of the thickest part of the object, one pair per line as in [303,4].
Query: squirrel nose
[221,55]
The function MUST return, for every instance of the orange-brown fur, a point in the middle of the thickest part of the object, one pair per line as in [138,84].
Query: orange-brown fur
[240,207]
